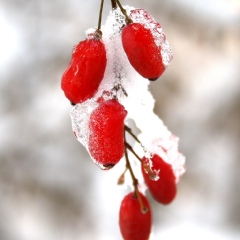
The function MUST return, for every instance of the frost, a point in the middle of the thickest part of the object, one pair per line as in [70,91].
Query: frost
[80,115]
[166,53]
[148,168]
[167,149]
[131,90]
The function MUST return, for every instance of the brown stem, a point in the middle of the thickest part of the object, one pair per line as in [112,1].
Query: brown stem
[144,209]
[129,130]
[124,12]
[146,167]
[114,4]
[127,145]
[128,166]
[99,32]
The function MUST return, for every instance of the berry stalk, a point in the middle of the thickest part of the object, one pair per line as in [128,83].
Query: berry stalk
[114,4]
[128,146]
[145,166]
[144,209]
[129,130]
[99,32]
[124,12]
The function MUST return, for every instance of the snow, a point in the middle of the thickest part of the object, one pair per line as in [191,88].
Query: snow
[123,82]
[80,115]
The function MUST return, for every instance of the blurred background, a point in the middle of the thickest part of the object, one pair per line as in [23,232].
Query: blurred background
[49,187]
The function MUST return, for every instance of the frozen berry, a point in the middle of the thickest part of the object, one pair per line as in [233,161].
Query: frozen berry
[83,76]
[134,224]
[142,51]
[106,139]
[139,15]
[163,189]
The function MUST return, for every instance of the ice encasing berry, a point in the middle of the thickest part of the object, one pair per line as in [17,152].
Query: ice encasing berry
[142,51]
[85,72]
[139,15]
[164,189]
[134,224]
[106,138]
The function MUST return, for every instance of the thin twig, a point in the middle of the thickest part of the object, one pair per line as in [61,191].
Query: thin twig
[99,32]
[114,4]
[144,209]
[124,12]
[129,130]
[127,145]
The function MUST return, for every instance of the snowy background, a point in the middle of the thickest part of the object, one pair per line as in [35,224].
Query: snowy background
[49,187]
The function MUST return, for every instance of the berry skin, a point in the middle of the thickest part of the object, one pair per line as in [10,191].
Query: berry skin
[106,139]
[142,51]
[83,76]
[164,189]
[134,225]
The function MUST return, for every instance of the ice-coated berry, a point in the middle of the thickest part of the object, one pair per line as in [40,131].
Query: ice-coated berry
[106,139]
[85,72]
[164,189]
[142,51]
[140,15]
[134,224]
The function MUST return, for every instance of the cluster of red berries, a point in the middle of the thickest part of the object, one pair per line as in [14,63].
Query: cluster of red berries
[135,217]
[142,41]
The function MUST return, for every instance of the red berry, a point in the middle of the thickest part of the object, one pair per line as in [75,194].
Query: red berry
[134,224]
[142,51]
[83,76]
[106,139]
[164,189]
